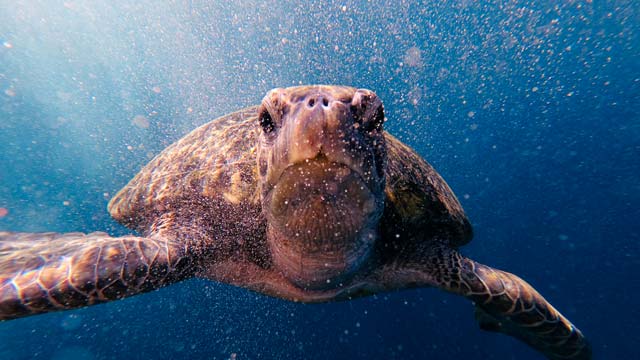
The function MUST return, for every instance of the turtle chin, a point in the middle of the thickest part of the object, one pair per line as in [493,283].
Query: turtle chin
[323,221]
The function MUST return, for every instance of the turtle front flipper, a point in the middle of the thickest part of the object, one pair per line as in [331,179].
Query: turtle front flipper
[504,302]
[43,272]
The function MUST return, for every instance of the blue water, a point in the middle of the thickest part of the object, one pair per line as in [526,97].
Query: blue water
[529,109]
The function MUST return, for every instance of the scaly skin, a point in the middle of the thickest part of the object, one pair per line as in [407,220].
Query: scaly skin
[508,304]
[43,272]
[504,302]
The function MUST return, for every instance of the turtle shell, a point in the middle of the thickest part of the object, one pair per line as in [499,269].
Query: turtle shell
[211,174]
[210,169]
[419,204]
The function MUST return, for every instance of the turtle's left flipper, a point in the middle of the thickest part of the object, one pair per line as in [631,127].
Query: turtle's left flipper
[505,303]
[42,272]
[508,304]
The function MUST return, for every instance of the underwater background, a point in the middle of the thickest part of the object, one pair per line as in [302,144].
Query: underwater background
[529,109]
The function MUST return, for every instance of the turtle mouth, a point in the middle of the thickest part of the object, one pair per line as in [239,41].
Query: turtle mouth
[319,184]
[320,167]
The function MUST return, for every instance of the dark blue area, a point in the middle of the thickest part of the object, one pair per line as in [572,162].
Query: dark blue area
[530,110]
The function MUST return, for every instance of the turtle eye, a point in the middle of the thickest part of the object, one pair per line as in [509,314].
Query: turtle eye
[369,119]
[376,119]
[358,116]
[266,122]
[367,110]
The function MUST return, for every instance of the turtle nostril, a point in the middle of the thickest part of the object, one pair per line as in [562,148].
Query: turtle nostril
[316,100]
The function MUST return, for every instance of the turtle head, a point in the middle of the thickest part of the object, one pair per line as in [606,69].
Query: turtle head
[321,160]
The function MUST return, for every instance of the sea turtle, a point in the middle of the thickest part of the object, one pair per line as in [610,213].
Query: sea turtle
[304,197]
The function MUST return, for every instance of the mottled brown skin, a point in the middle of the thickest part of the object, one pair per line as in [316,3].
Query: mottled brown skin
[304,198]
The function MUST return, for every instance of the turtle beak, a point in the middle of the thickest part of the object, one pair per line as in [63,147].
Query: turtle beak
[321,123]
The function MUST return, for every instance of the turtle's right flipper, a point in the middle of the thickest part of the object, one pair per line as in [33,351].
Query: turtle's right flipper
[505,303]
[43,272]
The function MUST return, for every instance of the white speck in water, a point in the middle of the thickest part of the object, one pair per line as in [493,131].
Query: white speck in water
[140,121]
[412,57]
[71,322]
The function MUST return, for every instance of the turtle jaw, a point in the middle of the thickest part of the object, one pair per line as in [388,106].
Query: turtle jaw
[323,221]
[319,270]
